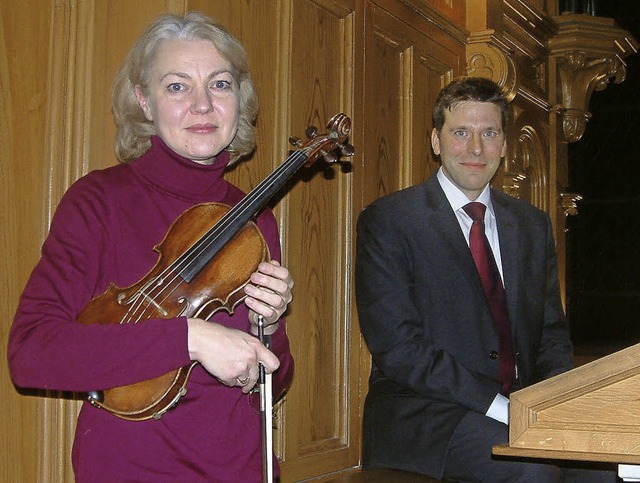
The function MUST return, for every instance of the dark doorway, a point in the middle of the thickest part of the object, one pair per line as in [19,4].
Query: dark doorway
[603,252]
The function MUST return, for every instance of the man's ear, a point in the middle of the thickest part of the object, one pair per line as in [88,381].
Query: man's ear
[435,142]
[144,104]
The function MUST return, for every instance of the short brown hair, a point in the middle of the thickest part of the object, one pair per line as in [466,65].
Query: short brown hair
[479,89]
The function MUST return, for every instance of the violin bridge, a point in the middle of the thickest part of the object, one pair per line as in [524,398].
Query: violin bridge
[155,304]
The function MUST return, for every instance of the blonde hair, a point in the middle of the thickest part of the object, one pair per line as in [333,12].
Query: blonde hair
[133,130]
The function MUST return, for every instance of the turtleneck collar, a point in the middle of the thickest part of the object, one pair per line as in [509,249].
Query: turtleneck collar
[180,176]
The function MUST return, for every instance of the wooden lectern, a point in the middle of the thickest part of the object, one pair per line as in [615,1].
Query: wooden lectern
[591,413]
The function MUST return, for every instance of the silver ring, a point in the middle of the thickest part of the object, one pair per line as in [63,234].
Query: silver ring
[243,380]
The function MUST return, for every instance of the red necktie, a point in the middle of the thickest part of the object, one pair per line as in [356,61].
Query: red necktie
[492,284]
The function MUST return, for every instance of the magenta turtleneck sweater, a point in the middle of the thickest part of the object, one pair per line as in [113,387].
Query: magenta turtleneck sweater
[103,232]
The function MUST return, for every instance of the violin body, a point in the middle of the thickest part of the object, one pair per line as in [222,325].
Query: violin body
[161,293]
[205,260]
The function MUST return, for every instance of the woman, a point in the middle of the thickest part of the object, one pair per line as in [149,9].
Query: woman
[184,105]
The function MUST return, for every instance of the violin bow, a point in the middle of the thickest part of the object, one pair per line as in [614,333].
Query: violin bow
[266,410]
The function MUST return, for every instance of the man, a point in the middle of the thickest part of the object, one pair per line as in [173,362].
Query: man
[442,372]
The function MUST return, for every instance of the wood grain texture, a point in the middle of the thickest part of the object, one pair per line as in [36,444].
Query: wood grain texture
[592,410]
[380,61]
[23,94]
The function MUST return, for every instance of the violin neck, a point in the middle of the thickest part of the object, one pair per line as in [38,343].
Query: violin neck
[201,252]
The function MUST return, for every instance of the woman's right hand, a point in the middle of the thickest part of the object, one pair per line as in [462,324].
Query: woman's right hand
[230,355]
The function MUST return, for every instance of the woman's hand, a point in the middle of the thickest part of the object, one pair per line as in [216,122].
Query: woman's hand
[268,294]
[230,355]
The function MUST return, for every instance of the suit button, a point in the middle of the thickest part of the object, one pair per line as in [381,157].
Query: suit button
[493,355]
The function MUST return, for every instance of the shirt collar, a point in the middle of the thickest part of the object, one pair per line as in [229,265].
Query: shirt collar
[457,199]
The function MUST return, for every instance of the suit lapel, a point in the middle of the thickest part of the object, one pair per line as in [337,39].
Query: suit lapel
[442,220]
[444,224]
[509,232]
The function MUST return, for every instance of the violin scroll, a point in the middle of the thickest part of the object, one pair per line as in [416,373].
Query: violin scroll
[323,145]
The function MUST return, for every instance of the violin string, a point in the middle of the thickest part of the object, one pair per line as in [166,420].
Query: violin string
[138,300]
[239,211]
[139,310]
[154,303]
[200,246]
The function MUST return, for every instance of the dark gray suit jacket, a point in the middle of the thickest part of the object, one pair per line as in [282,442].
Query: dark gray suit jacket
[427,324]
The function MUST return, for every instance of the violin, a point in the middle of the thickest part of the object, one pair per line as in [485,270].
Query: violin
[205,259]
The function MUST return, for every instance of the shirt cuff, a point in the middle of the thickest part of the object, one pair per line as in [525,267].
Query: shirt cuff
[499,409]
[629,472]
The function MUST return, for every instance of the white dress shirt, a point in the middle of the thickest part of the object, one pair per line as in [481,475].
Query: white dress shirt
[499,409]
[457,199]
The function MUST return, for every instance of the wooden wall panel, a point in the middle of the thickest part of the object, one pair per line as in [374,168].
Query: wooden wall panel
[405,67]
[107,49]
[260,27]
[317,230]
[23,96]
[452,9]
[384,88]
[379,61]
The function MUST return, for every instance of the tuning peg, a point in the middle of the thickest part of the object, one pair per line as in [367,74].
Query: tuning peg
[329,157]
[311,132]
[347,149]
[297,142]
